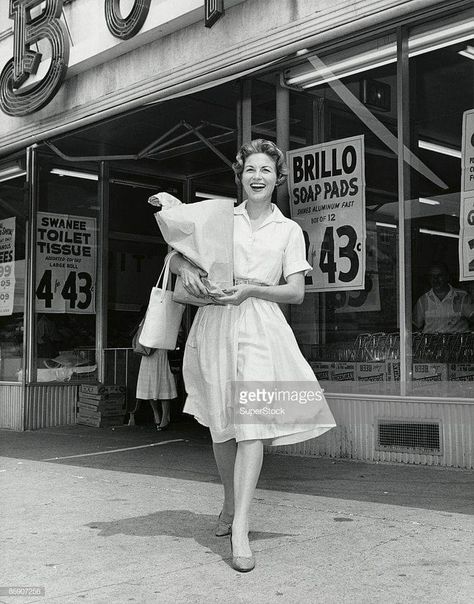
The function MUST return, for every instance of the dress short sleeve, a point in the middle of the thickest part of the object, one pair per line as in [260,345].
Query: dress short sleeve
[294,256]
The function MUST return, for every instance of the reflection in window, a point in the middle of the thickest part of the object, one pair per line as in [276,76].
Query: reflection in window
[13,216]
[351,336]
[442,91]
[66,274]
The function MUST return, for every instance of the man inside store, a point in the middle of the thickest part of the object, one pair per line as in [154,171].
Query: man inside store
[443,309]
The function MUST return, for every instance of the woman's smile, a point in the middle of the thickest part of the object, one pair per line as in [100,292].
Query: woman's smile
[259,176]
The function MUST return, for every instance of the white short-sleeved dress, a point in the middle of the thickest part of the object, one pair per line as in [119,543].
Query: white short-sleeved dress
[252,341]
[155,380]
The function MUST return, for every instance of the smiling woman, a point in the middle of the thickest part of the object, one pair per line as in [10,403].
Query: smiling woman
[243,340]
[259,177]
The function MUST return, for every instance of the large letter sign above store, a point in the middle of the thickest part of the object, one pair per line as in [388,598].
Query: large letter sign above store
[41,44]
[126,27]
[327,198]
[28,32]
[466,215]
[66,252]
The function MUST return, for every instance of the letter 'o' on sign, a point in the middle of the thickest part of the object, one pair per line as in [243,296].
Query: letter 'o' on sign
[19,100]
[126,27]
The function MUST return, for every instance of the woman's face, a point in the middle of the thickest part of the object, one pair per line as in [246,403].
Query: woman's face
[259,177]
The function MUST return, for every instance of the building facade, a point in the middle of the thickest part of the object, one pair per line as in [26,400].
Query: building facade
[103,103]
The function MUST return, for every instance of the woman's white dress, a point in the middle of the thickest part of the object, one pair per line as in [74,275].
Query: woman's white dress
[252,342]
[155,380]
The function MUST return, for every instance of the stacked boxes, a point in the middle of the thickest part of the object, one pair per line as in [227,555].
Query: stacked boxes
[371,372]
[393,371]
[430,372]
[437,357]
[461,372]
[100,405]
[343,372]
[322,369]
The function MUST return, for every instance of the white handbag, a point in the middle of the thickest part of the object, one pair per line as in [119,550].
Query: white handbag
[163,316]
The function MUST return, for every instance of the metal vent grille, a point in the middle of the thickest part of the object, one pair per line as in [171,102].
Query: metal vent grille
[419,437]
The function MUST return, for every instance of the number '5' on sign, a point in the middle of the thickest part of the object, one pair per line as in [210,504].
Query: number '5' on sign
[327,261]
[77,290]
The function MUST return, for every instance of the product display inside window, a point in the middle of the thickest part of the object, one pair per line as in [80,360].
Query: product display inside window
[66,273]
[343,192]
[343,139]
[440,234]
[13,220]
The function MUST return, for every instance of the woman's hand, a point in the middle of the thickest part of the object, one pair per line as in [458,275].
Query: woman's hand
[233,295]
[191,277]
[291,292]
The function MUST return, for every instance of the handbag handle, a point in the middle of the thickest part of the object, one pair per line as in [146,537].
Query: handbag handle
[165,274]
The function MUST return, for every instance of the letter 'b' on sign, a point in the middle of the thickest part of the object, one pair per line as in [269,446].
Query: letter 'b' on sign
[15,99]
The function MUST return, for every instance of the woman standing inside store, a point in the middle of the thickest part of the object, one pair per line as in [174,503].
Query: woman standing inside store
[244,338]
[156,384]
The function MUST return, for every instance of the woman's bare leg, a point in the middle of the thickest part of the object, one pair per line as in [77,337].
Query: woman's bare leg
[131,420]
[165,412]
[155,405]
[248,464]
[224,454]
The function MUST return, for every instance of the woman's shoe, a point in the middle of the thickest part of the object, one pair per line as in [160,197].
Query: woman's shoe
[223,528]
[243,564]
[161,428]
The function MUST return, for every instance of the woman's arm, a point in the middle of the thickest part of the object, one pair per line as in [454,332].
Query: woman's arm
[292,292]
[190,274]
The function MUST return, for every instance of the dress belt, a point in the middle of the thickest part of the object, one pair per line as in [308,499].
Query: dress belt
[248,282]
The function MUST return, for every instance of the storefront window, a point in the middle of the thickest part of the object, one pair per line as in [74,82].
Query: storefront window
[442,256]
[13,221]
[344,193]
[66,273]
[136,252]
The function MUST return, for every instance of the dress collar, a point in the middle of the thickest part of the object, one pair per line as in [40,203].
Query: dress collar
[275,216]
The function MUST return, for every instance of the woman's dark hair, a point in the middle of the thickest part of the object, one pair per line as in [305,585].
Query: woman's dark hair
[260,145]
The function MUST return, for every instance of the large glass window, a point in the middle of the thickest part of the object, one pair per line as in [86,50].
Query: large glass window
[442,275]
[136,252]
[352,335]
[344,194]
[13,221]
[66,273]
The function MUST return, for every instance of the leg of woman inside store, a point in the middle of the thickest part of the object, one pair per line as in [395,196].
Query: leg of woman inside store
[162,421]
[165,413]
[155,405]
[131,420]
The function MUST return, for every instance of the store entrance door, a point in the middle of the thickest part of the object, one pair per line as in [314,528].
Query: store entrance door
[184,147]
[136,252]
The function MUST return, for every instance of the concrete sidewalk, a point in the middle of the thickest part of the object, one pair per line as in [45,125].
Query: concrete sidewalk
[127,515]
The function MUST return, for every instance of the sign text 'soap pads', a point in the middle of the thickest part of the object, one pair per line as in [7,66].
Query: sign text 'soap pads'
[327,198]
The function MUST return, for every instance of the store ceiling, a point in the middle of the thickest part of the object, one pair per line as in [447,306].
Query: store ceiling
[212,112]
